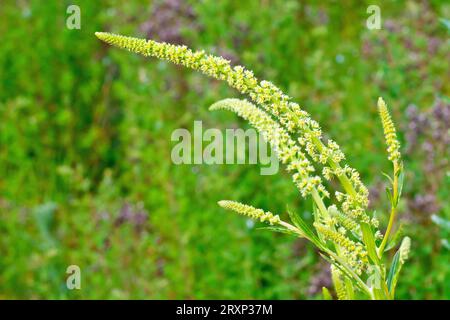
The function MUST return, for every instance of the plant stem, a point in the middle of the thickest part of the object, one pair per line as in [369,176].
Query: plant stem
[320,204]
[291,227]
[393,211]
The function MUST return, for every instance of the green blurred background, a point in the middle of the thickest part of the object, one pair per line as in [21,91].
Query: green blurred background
[85,170]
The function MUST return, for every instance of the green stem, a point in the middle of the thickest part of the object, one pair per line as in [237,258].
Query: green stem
[388,231]
[393,211]
[291,228]
[320,204]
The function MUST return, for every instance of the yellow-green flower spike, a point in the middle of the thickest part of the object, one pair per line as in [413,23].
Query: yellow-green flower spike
[353,252]
[297,139]
[338,282]
[286,149]
[344,220]
[250,211]
[389,132]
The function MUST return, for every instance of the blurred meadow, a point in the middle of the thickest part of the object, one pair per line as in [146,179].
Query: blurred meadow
[86,176]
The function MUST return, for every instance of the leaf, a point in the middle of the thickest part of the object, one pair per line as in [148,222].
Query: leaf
[388,176]
[395,268]
[326,294]
[369,241]
[401,178]
[316,213]
[397,263]
[389,194]
[305,229]
[395,238]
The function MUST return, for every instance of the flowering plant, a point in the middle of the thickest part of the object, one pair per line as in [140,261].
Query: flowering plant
[344,231]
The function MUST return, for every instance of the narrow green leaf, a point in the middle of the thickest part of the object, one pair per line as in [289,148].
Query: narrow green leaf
[305,229]
[393,242]
[388,176]
[399,259]
[369,241]
[389,195]
[393,270]
[401,178]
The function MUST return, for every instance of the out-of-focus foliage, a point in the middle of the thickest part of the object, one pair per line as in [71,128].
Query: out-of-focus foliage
[85,171]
